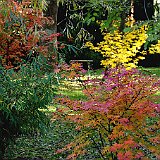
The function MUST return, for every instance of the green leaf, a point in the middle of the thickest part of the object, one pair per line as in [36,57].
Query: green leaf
[128,29]
[93,19]
[95,14]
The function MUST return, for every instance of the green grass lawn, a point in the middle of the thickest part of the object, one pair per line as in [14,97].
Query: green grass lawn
[59,133]
[151,71]
[156,72]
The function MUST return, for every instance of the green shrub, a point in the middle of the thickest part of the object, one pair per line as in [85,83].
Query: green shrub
[22,96]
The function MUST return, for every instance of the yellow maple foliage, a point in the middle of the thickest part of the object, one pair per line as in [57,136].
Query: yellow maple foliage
[155,48]
[122,48]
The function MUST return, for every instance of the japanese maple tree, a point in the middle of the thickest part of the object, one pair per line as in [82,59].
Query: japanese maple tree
[119,117]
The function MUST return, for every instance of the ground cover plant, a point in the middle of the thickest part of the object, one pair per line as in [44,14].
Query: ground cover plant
[43,146]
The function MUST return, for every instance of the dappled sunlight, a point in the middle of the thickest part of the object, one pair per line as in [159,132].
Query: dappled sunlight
[54,108]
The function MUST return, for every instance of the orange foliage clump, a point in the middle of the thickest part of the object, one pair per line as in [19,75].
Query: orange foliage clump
[22,33]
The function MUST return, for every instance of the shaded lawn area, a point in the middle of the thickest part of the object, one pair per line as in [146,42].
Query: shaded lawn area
[44,146]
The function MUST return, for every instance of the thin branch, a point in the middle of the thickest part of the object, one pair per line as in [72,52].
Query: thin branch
[144,4]
[97,147]
[101,138]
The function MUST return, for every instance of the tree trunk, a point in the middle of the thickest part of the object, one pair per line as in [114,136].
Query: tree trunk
[132,12]
[123,16]
[52,11]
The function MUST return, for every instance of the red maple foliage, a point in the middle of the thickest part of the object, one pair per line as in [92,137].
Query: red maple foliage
[118,116]
[22,33]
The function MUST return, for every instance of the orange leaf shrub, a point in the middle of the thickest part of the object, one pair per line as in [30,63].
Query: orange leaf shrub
[22,34]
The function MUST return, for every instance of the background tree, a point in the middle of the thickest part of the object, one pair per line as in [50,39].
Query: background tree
[52,11]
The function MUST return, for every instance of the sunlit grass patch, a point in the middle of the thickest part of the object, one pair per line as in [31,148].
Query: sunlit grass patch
[157,97]
[72,89]
[151,71]
[158,93]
